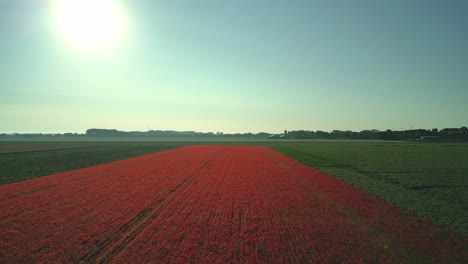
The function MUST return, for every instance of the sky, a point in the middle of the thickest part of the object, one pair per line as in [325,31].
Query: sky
[234,66]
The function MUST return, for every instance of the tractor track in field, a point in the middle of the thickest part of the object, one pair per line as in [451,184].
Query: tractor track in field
[127,232]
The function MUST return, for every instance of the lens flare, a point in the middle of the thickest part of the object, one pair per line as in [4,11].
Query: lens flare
[93,25]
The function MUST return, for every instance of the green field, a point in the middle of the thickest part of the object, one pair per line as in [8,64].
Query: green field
[427,179]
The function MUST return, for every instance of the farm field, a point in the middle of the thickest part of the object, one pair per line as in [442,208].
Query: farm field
[28,158]
[210,204]
[25,160]
[426,179]
[429,180]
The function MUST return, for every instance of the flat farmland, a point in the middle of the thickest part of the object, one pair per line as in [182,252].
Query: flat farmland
[429,180]
[22,160]
[210,204]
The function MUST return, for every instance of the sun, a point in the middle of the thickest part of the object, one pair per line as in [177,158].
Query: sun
[93,25]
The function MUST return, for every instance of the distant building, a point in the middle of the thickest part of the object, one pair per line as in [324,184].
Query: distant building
[276,136]
[429,138]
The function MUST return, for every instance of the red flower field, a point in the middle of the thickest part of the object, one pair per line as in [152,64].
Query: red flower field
[210,204]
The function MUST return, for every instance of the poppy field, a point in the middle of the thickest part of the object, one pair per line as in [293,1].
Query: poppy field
[215,203]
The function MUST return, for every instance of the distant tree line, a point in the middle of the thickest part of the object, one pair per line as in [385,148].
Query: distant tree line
[459,134]
[413,134]
[94,132]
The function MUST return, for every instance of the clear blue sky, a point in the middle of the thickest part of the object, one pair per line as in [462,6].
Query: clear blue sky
[239,66]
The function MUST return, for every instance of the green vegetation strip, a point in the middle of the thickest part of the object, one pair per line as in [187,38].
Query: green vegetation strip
[427,179]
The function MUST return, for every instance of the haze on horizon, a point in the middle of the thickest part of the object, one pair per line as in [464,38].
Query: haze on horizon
[232,66]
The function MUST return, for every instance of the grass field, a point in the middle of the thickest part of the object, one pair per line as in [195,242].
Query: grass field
[427,179]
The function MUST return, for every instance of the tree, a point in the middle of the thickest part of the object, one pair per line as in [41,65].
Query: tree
[464,131]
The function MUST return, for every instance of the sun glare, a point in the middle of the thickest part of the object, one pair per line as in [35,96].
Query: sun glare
[93,25]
